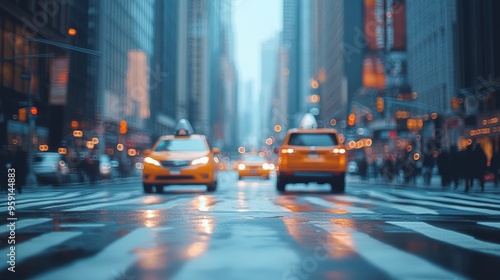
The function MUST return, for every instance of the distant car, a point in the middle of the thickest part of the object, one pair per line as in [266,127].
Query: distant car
[107,169]
[352,167]
[180,159]
[250,165]
[311,154]
[49,167]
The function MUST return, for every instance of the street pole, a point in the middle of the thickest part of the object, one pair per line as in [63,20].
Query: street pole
[30,177]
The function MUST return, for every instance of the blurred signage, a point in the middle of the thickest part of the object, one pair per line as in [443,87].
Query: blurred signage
[373,72]
[375,24]
[58,80]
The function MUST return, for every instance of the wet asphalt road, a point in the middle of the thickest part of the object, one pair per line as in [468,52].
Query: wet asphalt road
[247,230]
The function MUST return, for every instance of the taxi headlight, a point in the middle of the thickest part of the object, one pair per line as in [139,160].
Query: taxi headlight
[241,166]
[202,160]
[265,166]
[149,160]
[339,151]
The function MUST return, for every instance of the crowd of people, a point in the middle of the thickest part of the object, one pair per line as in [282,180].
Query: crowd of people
[467,167]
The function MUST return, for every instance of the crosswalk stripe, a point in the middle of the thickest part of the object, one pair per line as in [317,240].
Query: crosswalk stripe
[37,245]
[20,224]
[394,199]
[91,199]
[248,260]
[394,262]
[21,199]
[167,205]
[405,208]
[48,202]
[110,262]
[468,197]
[490,224]
[244,205]
[105,204]
[451,237]
[331,205]
[448,200]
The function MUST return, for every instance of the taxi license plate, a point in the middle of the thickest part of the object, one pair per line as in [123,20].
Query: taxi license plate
[314,155]
[175,172]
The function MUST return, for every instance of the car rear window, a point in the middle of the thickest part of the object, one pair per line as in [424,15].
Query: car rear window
[313,139]
[181,145]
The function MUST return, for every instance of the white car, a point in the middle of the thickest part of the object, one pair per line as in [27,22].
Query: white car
[49,167]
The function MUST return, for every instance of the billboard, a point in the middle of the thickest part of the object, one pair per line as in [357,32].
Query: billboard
[59,69]
[385,25]
[373,72]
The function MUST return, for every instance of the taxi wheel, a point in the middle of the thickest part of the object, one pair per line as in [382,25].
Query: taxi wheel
[280,185]
[338,184]
[212,187]
[148,188]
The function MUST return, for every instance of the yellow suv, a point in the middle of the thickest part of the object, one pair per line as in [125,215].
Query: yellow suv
[311,154]
[180,159]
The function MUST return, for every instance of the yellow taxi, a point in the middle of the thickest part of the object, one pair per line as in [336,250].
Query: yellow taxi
[311,154]
[253,165]
[180,159]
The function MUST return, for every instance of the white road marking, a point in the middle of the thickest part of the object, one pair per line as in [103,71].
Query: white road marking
[451,237]
[490,224]
[80,225]
[331,205]
[490,199]
[246,254]
[394,199]
[105,204]
[405,208]
[110,262]
[448,200]
[167,205]
[20,224]
[22,203]
[37,245]
[394,262]
[250,205]
[77,199]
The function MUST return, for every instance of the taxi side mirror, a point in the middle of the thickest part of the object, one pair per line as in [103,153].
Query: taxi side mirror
[216,151]
[147,152]
[276,150]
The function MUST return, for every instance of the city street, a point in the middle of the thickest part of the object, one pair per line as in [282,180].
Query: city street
[248,230]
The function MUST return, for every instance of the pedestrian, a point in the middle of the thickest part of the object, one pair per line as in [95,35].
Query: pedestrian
[4,177]
[455,165]
[495,167]
[20,164]
[388,168]
[480,164]
[443,164]
[428,162]
[468,172]
[363,167]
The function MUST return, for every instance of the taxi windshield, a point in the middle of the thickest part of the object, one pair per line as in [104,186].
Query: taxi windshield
[181,145]
[253,158]
[312,139]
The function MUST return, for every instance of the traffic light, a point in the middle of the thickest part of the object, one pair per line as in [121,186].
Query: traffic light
[351,120]
[22,114]
[123,127]
[455,103]
[380,104]
[34,111]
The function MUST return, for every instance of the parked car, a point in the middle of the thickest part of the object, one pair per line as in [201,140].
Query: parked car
[49,167]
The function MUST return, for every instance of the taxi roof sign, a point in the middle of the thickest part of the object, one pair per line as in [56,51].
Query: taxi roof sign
[183,128]
[308,121]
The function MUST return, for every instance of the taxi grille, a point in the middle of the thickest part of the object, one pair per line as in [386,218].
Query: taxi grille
[175,163]
[174,177]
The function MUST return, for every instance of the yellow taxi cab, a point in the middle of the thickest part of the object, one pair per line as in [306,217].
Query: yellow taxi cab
[311,154]
[180,159]
[253,165]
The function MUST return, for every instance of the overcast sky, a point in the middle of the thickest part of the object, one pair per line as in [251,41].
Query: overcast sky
[255,21]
